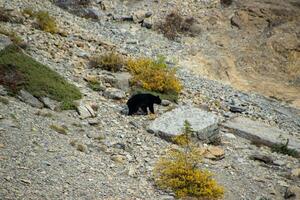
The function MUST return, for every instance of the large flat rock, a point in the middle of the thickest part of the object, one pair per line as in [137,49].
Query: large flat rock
[261,133]
[170,124]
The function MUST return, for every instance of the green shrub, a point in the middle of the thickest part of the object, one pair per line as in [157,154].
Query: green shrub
[46,22]
[19,71]
[110,61]
[68,105]
[94,83]
[96,86]
[154,75]
[283,149]
[178,171]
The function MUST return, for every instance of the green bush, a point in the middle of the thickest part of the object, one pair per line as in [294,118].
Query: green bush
[283,149]
[178,171]
[19,70]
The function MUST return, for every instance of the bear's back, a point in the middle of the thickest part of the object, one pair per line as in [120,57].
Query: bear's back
[139,98]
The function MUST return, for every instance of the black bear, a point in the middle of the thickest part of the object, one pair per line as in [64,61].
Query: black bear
[142,101]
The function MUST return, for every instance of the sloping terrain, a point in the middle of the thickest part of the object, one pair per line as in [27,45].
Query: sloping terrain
[103,153]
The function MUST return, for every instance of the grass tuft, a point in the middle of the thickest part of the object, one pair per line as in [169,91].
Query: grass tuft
[46,22]
[283,149]
[81,147]
[59,129]
[175,24]
[17,40]
[110,61]
[28,11]
[4,100]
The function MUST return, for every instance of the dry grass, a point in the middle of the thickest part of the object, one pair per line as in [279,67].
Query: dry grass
[175,24]
[17,40]
[111,61]
[59,129]
[46,22]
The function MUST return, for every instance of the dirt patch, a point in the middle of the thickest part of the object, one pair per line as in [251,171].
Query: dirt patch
[224,69]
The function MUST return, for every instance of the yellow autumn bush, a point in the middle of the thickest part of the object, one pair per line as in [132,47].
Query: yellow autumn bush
[178,171]
[153,75]
[46,22]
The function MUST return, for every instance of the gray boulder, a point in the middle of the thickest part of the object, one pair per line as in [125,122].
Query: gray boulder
[147,23]
[261,133]
[3,91]
[30,99]
[49,103]
[122,80]
[85,111]
[170,124]
[165,102]
[114,93]
[139,16]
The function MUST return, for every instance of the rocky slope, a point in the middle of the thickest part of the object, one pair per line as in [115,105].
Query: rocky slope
[111,156]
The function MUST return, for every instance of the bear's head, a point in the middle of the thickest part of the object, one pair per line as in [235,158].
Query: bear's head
[157,100]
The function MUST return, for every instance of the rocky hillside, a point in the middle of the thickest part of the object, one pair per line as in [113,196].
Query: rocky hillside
[64,128]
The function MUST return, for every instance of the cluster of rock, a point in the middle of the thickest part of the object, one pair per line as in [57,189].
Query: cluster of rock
[99,9]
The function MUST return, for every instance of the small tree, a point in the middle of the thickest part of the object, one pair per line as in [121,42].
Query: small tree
[178,171]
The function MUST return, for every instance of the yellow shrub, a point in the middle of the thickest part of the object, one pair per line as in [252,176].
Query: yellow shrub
[46,22]
[153,75]
[178,171]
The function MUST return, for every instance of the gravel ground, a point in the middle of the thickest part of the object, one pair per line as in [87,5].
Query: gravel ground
[114,157]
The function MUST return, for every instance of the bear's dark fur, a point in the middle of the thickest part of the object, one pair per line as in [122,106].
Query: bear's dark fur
[142,101]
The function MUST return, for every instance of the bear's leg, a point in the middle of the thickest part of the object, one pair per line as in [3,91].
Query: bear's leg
[145,110]
[151,108]
[132,110]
